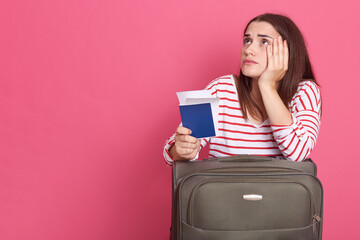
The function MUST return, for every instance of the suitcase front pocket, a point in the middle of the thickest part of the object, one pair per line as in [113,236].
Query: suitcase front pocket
[249,204]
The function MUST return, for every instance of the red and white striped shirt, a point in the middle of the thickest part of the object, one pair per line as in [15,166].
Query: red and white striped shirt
[239,136]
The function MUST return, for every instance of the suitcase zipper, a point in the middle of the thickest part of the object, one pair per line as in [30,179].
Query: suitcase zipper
[252,170]
[316,220]
[315,217]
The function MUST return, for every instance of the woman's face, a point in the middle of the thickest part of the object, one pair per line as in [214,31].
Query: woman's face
[258,35]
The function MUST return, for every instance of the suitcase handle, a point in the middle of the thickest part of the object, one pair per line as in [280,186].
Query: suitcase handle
[245,158]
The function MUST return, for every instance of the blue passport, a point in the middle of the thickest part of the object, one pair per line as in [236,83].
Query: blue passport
[198,118]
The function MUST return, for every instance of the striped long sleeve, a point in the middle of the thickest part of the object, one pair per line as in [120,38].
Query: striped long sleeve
[298,140]
[240,136]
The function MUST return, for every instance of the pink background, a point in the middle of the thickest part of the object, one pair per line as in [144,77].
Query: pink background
[87,99]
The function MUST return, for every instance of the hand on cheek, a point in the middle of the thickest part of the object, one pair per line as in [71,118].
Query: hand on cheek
[277,63]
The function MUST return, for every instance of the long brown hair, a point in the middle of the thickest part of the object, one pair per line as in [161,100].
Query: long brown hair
[299,67]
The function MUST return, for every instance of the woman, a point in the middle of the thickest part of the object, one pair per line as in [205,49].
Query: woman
[272,108]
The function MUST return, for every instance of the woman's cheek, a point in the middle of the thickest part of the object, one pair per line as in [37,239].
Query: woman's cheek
[242,53]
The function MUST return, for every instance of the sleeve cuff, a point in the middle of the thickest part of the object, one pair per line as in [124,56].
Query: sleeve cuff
[168,159]
[281,132]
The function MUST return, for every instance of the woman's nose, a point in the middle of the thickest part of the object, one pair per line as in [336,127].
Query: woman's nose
[250,49]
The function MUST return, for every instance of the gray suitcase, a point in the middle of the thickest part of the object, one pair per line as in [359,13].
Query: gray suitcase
[246,197]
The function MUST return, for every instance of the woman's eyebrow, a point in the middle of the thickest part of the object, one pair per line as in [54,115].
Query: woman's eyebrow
[263,35]
[259,35]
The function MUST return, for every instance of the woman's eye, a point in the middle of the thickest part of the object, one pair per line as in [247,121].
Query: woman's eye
[247,41]
[265,42]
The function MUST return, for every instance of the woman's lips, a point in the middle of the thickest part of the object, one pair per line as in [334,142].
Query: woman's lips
[249,62]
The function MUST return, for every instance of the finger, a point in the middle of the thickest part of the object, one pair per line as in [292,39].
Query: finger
[286,55]
[276,51]
[185,138]
[269,55]
[190,139]
[281,52]
[185,151]
[186,145]
[183,130]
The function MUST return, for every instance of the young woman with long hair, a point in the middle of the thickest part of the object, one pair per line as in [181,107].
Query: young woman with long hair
[272,108]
